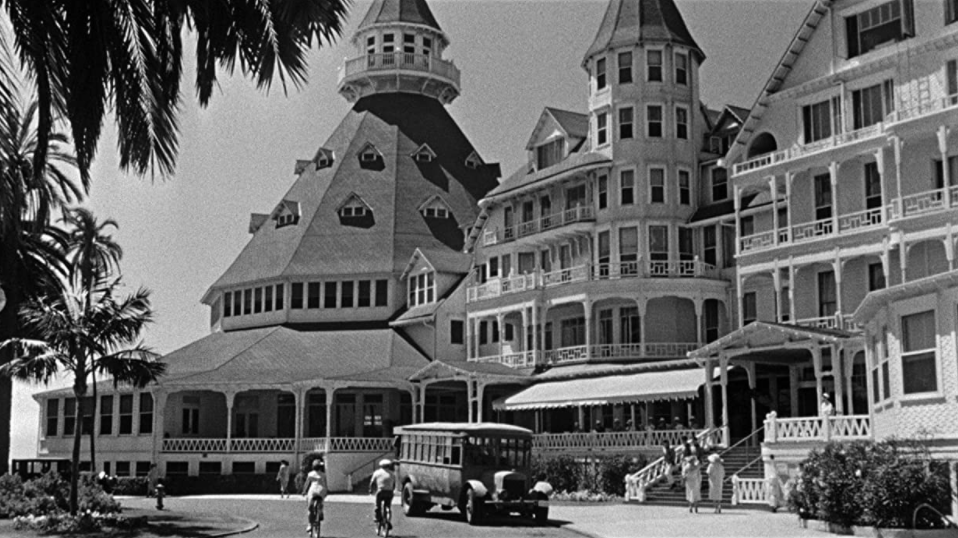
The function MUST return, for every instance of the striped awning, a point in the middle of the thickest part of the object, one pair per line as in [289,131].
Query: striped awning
[645,386]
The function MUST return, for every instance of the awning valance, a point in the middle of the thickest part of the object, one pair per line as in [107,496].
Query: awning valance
[646,386]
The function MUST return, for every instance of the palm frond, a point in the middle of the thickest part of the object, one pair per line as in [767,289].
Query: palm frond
[137,366]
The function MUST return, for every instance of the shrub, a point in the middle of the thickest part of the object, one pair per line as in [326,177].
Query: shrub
[130,485]
[593,475]
[561,471]
[92,498]
[11,495]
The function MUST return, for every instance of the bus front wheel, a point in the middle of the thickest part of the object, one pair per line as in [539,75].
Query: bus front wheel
[473,508]
[410,506]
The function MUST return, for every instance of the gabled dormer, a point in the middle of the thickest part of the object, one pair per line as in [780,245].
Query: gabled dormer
[324,158]
[424,154]
[474,161]
[435,208]
[369,154]
[557,134]
[286,213]
[726,127]
[354,206]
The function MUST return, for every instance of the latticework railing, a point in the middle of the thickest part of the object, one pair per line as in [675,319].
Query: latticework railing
[748,490]
[841,427]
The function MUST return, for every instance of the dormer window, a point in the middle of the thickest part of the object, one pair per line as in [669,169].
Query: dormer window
[354,207]
[422,289]
[424,154]
[550,153]
[880,25]
[286,213]
[473,161]
[435,208]
[324,158]
[369,154]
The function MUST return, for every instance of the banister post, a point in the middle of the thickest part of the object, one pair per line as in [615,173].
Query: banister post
[771,427]
[827,426]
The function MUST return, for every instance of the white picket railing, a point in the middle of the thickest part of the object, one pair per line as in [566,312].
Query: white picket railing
[924,203]
[812,230]
[579,273]
[837,321]
[838,428]
[519,359]
[566,354]
[360,444]
[801,150]
[860,220]
[923,108]
[193,444]
[247,445]
[748,491]
[405,61]
[758,241]
[637,483]
[262,445]
[607,441]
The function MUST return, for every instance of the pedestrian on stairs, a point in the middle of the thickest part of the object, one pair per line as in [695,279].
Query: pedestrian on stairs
[692,475]
[668,457]
[716,474]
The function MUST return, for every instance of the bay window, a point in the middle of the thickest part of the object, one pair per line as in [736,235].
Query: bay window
[918,362]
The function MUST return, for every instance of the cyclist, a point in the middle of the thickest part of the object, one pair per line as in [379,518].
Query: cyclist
[383,483]
[315,490]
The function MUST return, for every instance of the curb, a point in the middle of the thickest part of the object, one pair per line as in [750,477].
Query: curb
[581,532]
[250,527]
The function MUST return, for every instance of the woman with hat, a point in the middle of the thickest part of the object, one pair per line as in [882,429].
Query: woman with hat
[716,474]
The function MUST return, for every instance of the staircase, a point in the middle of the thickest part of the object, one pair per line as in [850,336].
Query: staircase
[739,459]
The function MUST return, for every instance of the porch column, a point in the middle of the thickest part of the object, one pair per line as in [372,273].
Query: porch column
[750,370]
[642,304]
[903,256]
[230,397]
[817,366]
[524,340]
[837,269]
[775,224]
[500,328]
[837,377]
[543,321]
[737,204]
[299,402]
[791,287]
[777,285]
[897,146]
[847,370]
[480,389]
[413,403]
[740,298]
[793,381]
[723,368]
[709,400]
[469,337]
[943,148]
[534,322]
[582,424]
[880,164]
[470,398]
[886,260]
[587,307]
[833,179]
[789,176]
[477,332]
[700,330]
[422,402]
[159,418]
[329,411]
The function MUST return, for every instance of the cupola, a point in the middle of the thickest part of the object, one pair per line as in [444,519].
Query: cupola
[398,48]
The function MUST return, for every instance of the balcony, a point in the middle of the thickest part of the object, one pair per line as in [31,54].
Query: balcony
[924,203]
[521,359]
[612,442]
[838,321]
[548,222]
[287,445]
[848,223]
[396,62]
[824,429]
[925,108]
[803,150]
[595,273]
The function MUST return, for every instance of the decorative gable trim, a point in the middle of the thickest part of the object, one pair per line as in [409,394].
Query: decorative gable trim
[474,161]
[424,154]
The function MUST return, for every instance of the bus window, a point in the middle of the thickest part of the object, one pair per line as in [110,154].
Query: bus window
[455,455]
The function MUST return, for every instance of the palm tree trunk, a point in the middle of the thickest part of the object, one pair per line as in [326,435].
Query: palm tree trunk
[88,278]
[93,430]
[9,328]
[75,466]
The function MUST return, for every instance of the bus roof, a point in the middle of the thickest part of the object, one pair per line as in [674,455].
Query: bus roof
[467,428]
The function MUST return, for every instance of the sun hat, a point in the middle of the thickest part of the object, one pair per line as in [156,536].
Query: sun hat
[385,463]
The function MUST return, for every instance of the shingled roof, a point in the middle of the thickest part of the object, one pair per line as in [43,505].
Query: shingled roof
[393,11]
[633,22]
[393,188]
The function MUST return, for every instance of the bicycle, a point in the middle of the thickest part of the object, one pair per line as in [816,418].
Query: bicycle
[315,517]
[385,521]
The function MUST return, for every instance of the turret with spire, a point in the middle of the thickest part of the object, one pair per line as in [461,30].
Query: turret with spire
[399,48]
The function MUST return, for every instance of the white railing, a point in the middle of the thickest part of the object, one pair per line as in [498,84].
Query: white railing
[637,483]
[812,230]
[758,241]
[360,444]
[262,445]
[314,444]
[923,108]
[924,203]
[669,349]
[579,273]
[488,290]
[192,444]
[801,150]
[519,283]
[520,359]
[606,441]
[680,269]
[860,220]
[406,61]
[839,428]
[837,321]
[566,354]
[748,490]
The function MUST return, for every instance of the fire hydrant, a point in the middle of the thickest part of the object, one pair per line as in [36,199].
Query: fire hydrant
[160,493]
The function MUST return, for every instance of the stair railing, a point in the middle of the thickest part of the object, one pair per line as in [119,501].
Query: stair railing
[638,482]
[747,490]
[747,443]
[367,463]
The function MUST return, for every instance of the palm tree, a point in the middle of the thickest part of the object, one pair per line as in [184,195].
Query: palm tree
[78,340]
[93,257]
[126,56]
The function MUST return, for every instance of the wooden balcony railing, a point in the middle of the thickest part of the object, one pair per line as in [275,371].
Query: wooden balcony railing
[607,441]
[838,428]
[807,231]
[836,321]
[924,203]
[277,445]
[581,213]
[925,107]
[801,150]
[401,61]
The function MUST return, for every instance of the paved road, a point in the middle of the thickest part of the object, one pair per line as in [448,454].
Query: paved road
[352,517]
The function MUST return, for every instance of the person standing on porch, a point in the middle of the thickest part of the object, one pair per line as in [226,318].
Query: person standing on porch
[827,409]
[283,478]
[716,474]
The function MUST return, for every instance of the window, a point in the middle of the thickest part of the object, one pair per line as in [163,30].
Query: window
[785,304]
[823,197]
[654,121]
[69,415]
[821,120]
[53,416]
[279,297]
[711,321]
[329,298]
[494,329]
[122,468]
[106,415]
[312,296]
[681,123]
[630,331]
[285,415]
[626,120]
[296,296]
[483,336]
[237,303]
[424,154]
[550,153]
[876,277]
[659,243]
[747,226]
[247,301]
[426,46]
[211,468]
[951,11]
[268,298]
[572,332]
[657,185]
[604,252]
[388,44]
[681,69]
[382,292]
[493,264]
[602,128]
[685,187]
[347,294]
[142,468]
[364,296]
[709,245]
[191,418]
[628,250]
[126,414]
[605,327]
[887,23]
[456,331]
[227,304]
[719,184]
[257,300]
[654,65]
[871,105]
[749,308]
[827,296]
[625,68]
[600,73]
[686,242]
[952,172]
[872,186]
[422,289]
[353,208]
[174,468]
[436,208]
[409,43]
[575,197]
[918,364]
[626,187]
[951,73]
[87,410]
[603,192]
[885,367]
[146,413]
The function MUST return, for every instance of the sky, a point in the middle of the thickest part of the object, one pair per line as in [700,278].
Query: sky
[237,155]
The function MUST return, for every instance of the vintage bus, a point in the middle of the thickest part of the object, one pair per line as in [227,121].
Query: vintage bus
[479,468]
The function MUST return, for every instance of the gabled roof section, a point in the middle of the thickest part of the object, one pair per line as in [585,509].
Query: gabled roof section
[442,261]
[396,11]
[369,152]
[633,22]
[324,158]
[875,300]
[572,124]
[424,153]
[575,163]
[779,74]
[474,161]
[285,206]
[765,334]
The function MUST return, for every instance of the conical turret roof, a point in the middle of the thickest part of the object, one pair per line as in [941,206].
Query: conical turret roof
[395,11]
[631,22]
